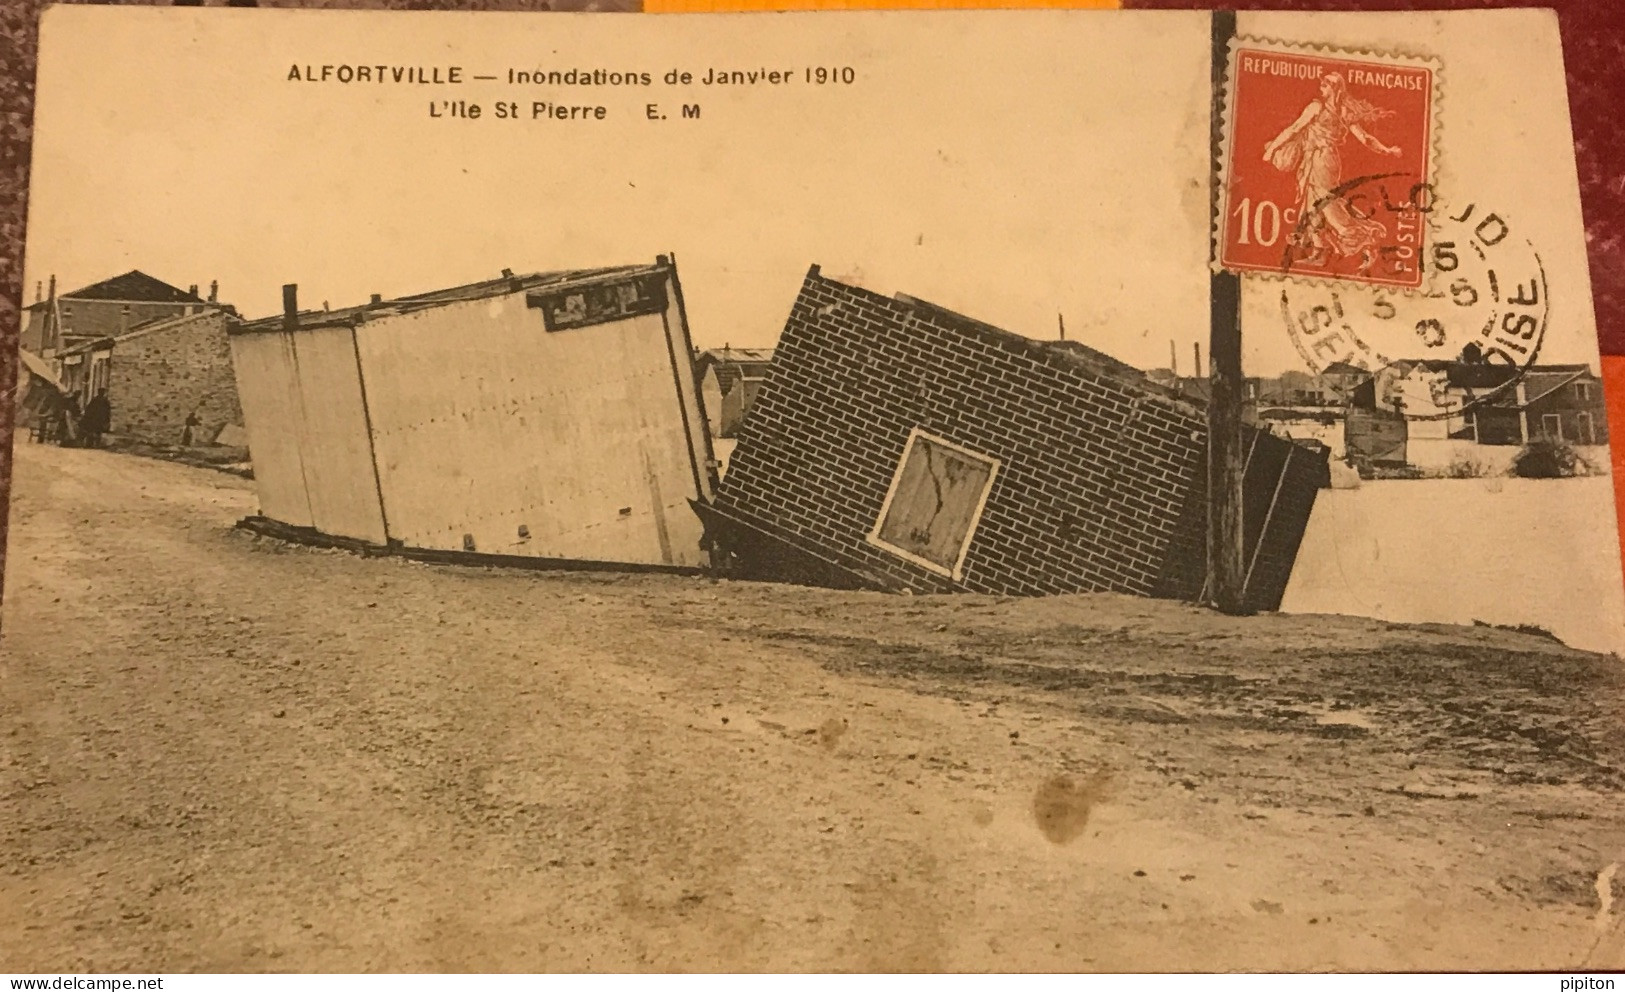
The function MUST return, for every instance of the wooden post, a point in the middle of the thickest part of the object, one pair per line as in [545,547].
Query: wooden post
[1226,553]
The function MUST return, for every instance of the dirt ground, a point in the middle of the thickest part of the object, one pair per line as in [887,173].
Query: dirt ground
[221,753]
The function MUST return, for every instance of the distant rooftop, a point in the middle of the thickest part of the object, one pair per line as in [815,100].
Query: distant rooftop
[135,286]
[501,286]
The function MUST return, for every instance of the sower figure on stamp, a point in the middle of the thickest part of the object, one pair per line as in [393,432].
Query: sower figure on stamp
[1310,146]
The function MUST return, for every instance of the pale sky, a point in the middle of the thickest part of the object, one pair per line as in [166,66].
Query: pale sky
[1009,166]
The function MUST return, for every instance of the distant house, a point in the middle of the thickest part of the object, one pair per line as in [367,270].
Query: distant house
[1410,413]
[546,417]
[1337,382]
[1303,390]
[1374,437]
[1293,390]
[1303,406]
[1550,402]
[1429,413]
[898,445]
[105,309]
[729,379]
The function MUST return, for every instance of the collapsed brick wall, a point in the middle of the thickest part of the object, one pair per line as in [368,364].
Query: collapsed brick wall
[1099,484]
[1093,479]
[161,376]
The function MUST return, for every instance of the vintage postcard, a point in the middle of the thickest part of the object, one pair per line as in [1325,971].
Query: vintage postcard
[955,491]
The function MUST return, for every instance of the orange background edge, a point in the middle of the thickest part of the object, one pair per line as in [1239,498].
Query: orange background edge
[722,6]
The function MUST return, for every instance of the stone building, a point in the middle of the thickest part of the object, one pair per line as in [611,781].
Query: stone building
[159,351]
[897,445]
[105,309]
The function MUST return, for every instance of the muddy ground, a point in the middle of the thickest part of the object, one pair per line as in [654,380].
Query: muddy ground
[222,753]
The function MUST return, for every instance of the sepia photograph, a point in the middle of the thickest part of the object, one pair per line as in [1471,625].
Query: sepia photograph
[856,491]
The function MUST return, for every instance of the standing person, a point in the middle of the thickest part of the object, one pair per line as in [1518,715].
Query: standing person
[192,421]
[53,416]
[98,418]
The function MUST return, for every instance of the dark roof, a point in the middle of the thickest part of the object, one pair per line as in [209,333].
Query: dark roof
[350,316]
[1492,376]
[1343,368]
[1479,376]
[1574,370]
[136,286]
[733,365]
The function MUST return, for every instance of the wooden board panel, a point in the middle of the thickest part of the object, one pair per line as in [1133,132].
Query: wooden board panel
[567,444]
[333,439]
[268,388]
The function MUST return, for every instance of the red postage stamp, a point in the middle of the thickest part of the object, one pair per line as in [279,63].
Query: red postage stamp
[1327,163]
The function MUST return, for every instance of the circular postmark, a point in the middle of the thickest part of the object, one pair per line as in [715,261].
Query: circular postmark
[1465,337]
[1367,229]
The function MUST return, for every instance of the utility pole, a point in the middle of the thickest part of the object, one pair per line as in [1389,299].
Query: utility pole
[1059,319]
[1226,558]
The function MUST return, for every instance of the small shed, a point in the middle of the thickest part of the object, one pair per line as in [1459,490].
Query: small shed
[547,417]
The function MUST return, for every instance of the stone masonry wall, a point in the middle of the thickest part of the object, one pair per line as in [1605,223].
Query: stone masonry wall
[1095,475]
[161,375]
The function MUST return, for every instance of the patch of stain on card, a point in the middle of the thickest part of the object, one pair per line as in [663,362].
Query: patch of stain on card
[831,732]
[1062,805]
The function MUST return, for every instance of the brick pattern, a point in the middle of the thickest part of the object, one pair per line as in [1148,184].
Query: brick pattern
[1099,481]
[161,376]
